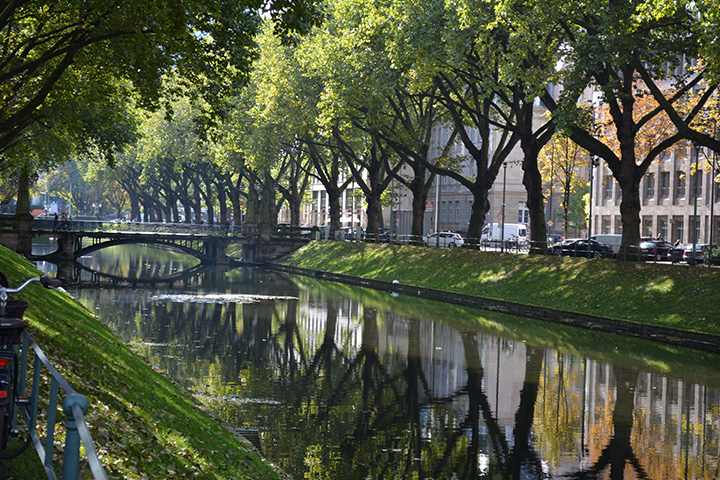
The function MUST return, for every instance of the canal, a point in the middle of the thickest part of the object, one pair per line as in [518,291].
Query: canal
[345,382]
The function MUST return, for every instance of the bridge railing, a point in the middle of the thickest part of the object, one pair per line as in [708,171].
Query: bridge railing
[47,224]
[7,222]
[109,226]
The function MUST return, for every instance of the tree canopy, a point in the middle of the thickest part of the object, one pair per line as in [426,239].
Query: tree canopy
[52,50]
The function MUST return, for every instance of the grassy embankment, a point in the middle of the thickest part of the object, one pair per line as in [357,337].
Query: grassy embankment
[143,425]
[678,296]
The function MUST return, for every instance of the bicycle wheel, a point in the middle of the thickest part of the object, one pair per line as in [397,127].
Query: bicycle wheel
[4,432]
[12,444]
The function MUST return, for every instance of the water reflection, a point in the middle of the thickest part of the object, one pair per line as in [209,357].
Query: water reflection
[350,383]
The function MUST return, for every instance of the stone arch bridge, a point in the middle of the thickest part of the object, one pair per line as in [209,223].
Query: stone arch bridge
[208,243]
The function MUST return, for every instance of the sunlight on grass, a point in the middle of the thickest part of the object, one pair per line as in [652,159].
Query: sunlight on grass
[660,286]
[622,290]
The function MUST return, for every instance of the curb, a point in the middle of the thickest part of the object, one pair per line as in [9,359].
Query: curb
[707,342]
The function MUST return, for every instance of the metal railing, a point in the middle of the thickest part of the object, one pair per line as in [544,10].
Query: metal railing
[75,406]
[709,256]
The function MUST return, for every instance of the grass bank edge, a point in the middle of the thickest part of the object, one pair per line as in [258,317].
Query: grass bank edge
[678,296]
[143,424]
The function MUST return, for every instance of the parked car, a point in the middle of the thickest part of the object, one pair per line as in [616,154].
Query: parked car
[677,253]
[383,235]
[554,238]
[684,253]
[443,240]
[699,254]
[580,247]
[612,240]
[354,234]
[655,250]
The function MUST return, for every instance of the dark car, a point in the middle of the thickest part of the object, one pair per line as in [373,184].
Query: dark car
[655,250]
[698,254]
[354,234]
[582,248]
[383,235]
[677,253]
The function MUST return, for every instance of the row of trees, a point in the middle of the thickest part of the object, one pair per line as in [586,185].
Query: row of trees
[70,70]
[356,99]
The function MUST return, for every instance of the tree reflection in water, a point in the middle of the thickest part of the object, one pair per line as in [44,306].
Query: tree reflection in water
[354,384]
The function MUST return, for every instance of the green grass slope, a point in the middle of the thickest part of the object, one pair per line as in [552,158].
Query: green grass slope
[678,296]
[143,425]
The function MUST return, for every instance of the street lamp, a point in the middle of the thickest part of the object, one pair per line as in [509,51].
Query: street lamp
[502,227]
[593,162]
[695,195]
[552,180]
[438,179]
[712,199]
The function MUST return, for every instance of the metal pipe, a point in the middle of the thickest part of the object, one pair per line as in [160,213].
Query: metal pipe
[502,227]
[695,185]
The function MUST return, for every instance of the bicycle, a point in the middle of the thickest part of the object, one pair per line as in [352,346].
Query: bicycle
[11,328]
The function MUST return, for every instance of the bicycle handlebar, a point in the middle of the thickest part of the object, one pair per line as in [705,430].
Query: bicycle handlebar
[48,282]
[44,281]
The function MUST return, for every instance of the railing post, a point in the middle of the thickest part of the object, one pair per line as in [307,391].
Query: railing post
[71,457]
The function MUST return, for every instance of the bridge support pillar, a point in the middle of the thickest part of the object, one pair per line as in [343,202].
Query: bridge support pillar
[220,253]
[66,246]
[216,249]
[23,228]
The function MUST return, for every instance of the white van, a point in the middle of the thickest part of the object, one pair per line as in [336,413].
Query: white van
[511,232]
[612,240]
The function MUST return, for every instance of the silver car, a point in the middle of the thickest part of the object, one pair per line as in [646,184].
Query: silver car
[443,240]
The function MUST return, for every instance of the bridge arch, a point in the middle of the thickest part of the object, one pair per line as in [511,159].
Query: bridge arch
[204,258]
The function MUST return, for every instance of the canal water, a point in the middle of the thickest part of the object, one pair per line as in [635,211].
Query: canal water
[341,382]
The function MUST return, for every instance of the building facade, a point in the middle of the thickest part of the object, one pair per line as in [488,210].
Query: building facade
[670,206]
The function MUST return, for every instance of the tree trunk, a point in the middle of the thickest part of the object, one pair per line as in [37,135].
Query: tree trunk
[630,216]
[197,201]
[419,202]
[222,202]
[532,179]
[234,194]
[334,195]
[374,203]
[478,213]
[23,217]
[134,206]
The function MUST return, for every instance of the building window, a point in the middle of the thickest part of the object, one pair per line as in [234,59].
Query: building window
[606,224]
[650,186]
[443,212]
[679,229]
[647,227]
[607,186]
[457,212]
[663,224]
[679,184]
[523,213]
[664,184]
[697,180]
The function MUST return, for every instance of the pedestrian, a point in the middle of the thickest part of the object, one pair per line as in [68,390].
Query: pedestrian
[55,222]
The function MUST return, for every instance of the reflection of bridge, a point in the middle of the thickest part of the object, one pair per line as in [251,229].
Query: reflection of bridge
[208,243]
